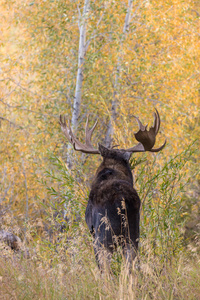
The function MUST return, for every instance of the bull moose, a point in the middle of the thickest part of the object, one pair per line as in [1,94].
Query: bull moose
[113,208]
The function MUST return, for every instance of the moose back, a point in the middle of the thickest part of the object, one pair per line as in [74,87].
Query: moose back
[113,209]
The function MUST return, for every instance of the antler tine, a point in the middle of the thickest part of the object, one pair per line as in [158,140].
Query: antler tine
[64,128]
[147,138]
[141,126]
[85,148]
[160,148]
[156,124]
[89,132]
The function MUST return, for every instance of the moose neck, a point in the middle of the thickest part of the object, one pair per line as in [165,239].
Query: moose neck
[114,168]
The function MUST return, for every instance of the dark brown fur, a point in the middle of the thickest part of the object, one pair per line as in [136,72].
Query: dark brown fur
[112,213]
[113,210]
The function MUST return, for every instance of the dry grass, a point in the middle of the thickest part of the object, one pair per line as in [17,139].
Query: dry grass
[79,278]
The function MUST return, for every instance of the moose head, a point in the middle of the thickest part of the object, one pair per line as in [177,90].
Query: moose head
[113,209]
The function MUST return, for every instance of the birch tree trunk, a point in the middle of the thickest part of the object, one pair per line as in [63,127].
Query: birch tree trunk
[81,60]
[82,22]
[110,130]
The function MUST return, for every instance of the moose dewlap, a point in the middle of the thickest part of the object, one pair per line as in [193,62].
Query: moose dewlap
[113,209]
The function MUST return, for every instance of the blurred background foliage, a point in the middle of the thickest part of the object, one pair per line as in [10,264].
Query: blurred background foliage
[159,67]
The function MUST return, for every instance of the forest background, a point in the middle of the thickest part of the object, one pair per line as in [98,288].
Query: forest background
[132,56]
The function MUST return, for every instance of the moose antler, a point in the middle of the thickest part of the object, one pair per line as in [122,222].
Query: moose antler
[85,148]
[147,138]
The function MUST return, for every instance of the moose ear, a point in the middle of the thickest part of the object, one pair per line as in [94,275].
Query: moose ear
[126,156]
[103,150]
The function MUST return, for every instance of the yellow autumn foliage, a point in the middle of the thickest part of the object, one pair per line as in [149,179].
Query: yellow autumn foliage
[159,66]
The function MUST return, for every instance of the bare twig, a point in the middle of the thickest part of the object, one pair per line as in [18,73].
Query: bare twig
[26,189]
[12,123]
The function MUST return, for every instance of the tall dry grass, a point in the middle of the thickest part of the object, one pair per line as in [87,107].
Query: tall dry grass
[62,265]
[79,278]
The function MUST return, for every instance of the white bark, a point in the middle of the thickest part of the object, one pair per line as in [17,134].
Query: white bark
[110,130]
[82,22]
[81,60]
[127,18]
